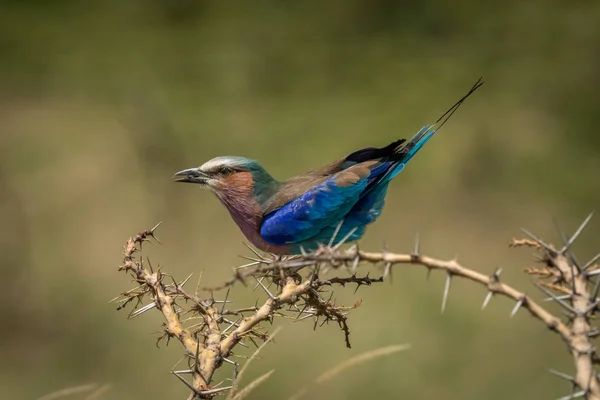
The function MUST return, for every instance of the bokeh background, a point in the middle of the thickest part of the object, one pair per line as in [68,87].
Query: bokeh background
[102,101]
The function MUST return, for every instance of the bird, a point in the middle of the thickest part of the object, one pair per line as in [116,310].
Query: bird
[327,206]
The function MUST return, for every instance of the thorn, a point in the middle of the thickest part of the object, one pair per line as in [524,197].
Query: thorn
[225,301]
[215,391]
[591,262]
[561,375]
[576,234]
[345,238]
[562,297]
[416,250]
[539,241]
[496,274]
[150,265]
[252,264]
[140,311]
[256,260]
[310,315]
[302,251]
[517,306]
[593,333]
[315,274]
[231,325]
[446,291]
[155,227]
[352,249]
[253,250]
[335,233]
[355,263]
[302,312]
[185,280]
[555,298]
[193,389]
[570,254]
[183,371]
[592,307]
[487,300]
[264,288]
[329,299]
[388,270]
[227,360]
[257,285]
[573,395]
[594,272]
[152,232]
[198,283]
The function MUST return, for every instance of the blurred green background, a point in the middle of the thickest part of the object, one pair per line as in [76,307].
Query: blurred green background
[102,101]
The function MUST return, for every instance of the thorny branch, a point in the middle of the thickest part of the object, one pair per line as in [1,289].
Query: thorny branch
[211,341]
[298,289]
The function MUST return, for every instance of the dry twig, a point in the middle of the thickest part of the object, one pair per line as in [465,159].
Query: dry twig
[294,286]
[211,342]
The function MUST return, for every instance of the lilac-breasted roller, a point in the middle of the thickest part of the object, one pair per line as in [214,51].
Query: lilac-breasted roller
[325,206]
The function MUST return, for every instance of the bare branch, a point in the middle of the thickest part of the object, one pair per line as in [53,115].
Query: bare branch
[295,288]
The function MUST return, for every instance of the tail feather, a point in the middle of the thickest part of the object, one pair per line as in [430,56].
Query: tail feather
[410,148]
[418,141]
[408,151]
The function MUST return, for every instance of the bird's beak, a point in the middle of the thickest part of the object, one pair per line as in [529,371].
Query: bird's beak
[192,175]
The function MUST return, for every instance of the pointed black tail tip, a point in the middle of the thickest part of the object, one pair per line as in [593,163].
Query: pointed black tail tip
[446,116]
[477,85]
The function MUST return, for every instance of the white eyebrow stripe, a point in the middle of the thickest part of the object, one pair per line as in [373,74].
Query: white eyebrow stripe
[218,162]
[213,164]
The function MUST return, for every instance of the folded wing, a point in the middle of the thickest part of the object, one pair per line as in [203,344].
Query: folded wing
[351,190]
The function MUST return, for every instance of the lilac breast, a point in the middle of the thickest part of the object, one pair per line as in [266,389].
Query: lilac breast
[247,215]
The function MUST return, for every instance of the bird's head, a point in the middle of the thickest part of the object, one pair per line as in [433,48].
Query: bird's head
[230,173]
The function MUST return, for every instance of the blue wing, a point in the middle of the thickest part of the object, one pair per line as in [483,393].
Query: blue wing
[364,212]
[305,216]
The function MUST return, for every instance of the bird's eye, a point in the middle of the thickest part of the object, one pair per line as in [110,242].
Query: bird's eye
[225,171]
